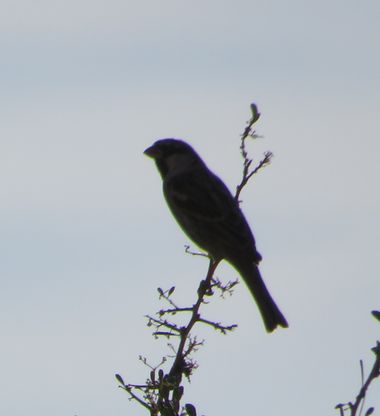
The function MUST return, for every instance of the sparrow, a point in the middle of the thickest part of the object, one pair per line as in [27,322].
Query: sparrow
[211,217]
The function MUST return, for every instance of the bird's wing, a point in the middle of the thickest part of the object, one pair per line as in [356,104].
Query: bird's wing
[207,211]
[200,195]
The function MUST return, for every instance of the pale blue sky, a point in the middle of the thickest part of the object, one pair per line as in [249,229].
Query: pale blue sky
[86,237]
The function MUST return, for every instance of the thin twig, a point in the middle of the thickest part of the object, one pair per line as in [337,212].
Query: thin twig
[135,397]
[358,404]
[158,323]
[247,162]
[174,311]
[195,253]
[374,373]
[218,326]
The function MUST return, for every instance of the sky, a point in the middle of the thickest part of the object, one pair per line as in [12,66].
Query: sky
[86,237]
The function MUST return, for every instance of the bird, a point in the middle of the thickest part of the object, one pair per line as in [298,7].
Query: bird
[210,216]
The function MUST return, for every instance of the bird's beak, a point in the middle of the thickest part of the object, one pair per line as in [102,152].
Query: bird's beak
[152,152]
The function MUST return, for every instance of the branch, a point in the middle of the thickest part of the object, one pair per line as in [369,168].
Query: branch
[247,173]
[218,326]
[373,374]
[203,288]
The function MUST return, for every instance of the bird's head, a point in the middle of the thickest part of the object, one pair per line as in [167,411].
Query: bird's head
[172,156]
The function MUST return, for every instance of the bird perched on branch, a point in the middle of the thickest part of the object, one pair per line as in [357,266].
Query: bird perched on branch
[208,213]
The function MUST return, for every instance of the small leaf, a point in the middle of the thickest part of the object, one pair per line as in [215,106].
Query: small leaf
[160,291]
[376,315]
[171,290]
[376,349]
[209,292]
[362,371]
[190,409]
[120,379]
[153,376]
[160,375]
[255,112]
[369,411]
[178,393]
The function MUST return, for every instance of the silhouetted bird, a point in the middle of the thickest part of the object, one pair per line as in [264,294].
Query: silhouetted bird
[207,212]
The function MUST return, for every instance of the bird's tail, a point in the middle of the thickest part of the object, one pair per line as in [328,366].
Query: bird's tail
[270,312]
